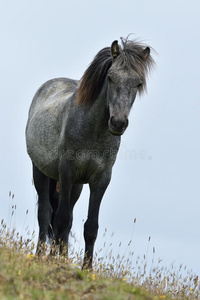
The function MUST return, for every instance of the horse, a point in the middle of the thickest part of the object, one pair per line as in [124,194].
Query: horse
[73,135]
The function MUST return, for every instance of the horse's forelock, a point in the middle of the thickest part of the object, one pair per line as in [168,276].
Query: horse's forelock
[133,55]
[136,56]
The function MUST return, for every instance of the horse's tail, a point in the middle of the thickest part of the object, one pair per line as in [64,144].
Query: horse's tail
[54,200]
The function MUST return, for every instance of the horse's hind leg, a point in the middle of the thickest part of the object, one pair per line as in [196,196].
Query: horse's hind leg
[54,200]
[41,183]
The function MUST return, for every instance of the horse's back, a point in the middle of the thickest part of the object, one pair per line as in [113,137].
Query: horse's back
[50,104]
[52,93]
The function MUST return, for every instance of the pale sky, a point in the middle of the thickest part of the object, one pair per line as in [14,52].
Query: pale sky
[156,176]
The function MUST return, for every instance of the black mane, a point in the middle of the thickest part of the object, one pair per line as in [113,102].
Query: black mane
[132,57]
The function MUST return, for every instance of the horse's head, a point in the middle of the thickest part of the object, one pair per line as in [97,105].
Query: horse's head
[124,82]
[122,71]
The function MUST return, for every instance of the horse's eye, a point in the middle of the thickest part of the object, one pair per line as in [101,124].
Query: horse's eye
[109,78]
[139,86]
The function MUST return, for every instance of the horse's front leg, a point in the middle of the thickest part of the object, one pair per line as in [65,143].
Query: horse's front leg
[97,190]
[63,216]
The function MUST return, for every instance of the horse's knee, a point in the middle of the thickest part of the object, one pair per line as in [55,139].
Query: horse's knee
[90,231]
[44,209]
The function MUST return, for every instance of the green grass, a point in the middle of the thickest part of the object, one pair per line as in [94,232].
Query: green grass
[24,276]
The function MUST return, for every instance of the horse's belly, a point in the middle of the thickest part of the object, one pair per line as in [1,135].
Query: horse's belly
[42,146]
[50,106]
[46,161]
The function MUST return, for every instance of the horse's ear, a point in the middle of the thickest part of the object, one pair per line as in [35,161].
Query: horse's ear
[115,50]
[146,52]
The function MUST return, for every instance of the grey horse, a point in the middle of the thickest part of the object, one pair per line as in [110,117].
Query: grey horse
[73,135]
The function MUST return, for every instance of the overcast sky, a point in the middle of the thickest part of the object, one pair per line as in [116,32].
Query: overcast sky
[156,176]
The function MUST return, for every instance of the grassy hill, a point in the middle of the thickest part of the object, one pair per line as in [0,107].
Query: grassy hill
[24,276]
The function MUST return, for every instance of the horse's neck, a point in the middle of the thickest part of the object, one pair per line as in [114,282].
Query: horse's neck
[90,124]
[91,121]
[99,113]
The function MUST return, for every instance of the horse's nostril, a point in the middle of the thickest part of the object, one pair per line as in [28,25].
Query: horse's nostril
[119,124]
[126,122]
[113,121]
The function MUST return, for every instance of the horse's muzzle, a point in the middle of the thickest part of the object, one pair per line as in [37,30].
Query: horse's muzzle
[117,126]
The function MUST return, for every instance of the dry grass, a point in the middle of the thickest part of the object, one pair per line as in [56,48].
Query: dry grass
[24,276]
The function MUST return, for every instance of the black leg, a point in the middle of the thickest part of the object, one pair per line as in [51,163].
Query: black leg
[97,190]
[75,194]
[41,183]
[68,195]
[54,200]
[63,218]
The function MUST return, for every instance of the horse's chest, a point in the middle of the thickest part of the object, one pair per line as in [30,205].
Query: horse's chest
[90,160]
[89,164]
